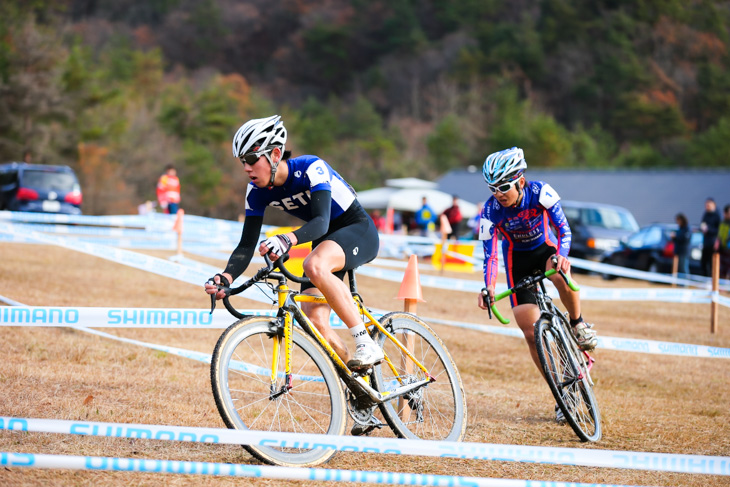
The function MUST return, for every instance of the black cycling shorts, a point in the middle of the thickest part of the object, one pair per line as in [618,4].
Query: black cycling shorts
[520,264]
[355,232]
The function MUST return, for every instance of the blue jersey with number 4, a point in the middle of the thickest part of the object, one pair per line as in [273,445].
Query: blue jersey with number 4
[307,174]
[523,227]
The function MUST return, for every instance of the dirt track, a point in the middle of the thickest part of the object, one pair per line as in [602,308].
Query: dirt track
[649,403]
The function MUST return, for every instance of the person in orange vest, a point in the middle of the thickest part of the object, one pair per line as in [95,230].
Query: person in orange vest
[168,190]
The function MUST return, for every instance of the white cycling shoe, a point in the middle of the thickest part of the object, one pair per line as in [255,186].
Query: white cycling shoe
[586,337]
[366,355]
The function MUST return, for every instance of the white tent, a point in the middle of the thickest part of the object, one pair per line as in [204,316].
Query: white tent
[410,200]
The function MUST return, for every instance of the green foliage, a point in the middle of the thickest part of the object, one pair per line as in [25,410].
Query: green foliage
[640,155]
[649,76]
[591,148]
[206,117]
[639,118]
[201,177]
[712,147]
[315,127]
[517,123]
[714,94]
[447,146]
[328,49]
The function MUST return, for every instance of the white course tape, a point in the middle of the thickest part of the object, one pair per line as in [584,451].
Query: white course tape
[611,343]
[138,261]
[614,270]
[195,276]
[20,315]
[667,462]
[35,460]
[121,317]
[586,292]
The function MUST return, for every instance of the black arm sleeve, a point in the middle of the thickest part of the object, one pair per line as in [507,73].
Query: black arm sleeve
[241,256]
[319,224]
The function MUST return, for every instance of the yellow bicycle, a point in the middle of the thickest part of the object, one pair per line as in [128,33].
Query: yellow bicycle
[280,374]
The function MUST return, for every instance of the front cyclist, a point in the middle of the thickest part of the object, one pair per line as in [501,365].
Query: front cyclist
[522,211]
[343,236]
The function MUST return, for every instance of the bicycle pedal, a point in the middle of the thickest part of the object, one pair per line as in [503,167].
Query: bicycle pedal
[364,429]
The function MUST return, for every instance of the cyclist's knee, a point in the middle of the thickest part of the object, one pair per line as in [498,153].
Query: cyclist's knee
[316,268]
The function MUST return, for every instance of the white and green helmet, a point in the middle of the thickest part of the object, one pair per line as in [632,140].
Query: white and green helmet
[503,166]
[259,134]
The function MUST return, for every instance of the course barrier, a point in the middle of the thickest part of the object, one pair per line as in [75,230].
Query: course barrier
[35,460]
[96,317]
[667,462]
[24,233]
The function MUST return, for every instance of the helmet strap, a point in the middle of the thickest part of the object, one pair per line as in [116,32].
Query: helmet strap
[522,194]
[274,166]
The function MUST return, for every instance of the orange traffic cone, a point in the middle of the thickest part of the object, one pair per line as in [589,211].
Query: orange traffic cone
[410,288]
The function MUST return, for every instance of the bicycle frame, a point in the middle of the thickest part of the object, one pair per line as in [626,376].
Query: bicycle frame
[287,301]
[549,310]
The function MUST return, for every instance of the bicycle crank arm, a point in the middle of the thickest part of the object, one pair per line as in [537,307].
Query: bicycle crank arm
[380,398]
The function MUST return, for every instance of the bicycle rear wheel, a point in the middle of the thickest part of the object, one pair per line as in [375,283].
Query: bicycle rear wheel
[242,389]
[436,411]
[568,381]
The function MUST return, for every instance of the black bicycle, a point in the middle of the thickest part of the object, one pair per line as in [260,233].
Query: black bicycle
[567,368]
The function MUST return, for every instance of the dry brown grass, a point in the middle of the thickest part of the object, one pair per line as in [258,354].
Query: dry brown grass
[649,403]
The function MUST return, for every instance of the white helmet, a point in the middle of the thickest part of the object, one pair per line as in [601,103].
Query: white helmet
[259,133]
[505,165]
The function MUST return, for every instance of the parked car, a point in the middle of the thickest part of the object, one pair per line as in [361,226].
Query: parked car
[651,249]
[597,227]
[39,188]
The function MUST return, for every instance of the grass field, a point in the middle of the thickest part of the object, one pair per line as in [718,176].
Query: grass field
[650,403]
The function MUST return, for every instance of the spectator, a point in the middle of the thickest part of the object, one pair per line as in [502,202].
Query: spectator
[681,245]
[168,190]
[397,221]
[378,219]
[473,223]
[425,217]
[722,244]
[453,214]
[709,227]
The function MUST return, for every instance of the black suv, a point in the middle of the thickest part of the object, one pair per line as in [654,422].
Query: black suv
[39,188]
[597,227]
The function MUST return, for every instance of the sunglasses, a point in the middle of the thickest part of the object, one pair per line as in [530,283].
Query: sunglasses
[503,187]
[253,157]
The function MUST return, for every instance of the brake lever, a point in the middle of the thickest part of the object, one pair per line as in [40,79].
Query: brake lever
[219,287]
[487,303]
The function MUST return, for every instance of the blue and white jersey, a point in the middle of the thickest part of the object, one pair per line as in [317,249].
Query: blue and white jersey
[307,174]
[523,227]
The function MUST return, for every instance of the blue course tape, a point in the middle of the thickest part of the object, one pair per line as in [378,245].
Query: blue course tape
[668,462]
[35,460]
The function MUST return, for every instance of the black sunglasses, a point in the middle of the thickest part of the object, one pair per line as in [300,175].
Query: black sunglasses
[252,157]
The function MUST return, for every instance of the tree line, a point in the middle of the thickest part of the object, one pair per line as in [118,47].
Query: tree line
[117,89]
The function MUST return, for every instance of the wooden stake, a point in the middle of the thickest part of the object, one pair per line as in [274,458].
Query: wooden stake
[715,290]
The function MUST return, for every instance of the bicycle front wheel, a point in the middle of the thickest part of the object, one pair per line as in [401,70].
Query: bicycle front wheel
[437,410]
[568,381]
[246,398]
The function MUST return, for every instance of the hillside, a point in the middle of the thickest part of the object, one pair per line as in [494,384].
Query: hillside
[118,89]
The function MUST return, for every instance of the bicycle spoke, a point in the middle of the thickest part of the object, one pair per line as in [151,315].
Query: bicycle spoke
[439,407]
[245,398]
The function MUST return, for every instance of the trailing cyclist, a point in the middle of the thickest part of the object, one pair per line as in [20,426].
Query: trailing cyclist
[343,236]
[522,211]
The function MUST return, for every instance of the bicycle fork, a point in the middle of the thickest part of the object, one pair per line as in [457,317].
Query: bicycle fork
[578,371]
